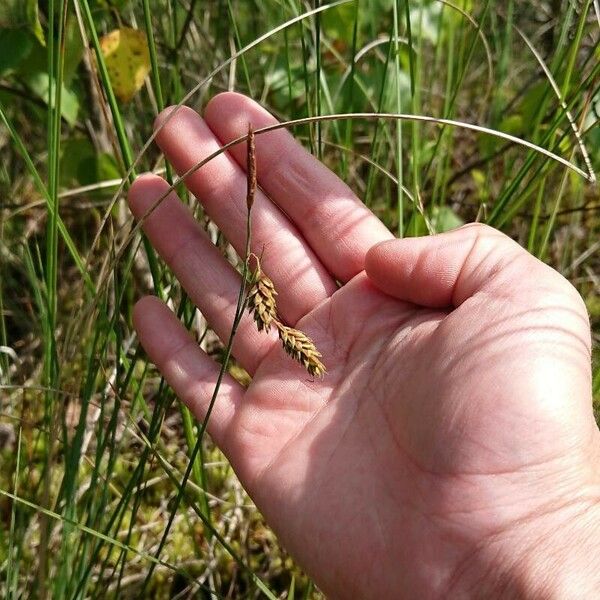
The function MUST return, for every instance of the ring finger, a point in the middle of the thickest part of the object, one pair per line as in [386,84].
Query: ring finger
[299,276]
[211,282]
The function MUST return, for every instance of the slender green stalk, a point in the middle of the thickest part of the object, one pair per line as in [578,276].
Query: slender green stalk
[445,141]
[175,86]
[508,198]
[119,453]
[51,366]
[12,569]
[575,46]
[224,365]
[4,360]
[50,205]
[156,86]
[187,419]
[84,529]
[415,84]
[126,153]
[189,17]
[411,49]
[318,75]
[349,97]
[537,209]
[288,65]
[375,138]
[541,253]
[574,50]
[307,95]
[239,312]
[399,157]
[458,84]
[238,43]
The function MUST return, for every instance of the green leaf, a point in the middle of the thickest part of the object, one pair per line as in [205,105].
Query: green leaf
[532,101]
[39,82]
[15,46]
[417,225]
[37,58]
[82,165]
[443,218]
[339,22]
[77,162]
[512,124]
[21,13]
[73,50]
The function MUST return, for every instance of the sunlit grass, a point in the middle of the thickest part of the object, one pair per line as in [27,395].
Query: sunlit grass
[461,111]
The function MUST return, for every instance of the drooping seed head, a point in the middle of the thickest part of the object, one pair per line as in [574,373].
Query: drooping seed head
[302,349]
[261,301]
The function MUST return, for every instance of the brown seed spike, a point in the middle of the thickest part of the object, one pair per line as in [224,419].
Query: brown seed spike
[261,300]
[251,168]
[301,348]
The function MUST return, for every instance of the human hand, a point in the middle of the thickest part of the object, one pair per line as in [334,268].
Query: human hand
[450,451]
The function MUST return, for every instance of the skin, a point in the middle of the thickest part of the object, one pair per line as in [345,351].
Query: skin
[451,449]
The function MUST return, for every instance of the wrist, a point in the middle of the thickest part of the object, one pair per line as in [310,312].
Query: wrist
[546,557]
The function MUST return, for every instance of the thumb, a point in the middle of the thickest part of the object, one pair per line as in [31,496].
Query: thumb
[444,270]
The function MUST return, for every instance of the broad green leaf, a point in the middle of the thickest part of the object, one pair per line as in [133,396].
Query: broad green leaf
[481,184]
[77,162]
[512,124]
[73,50]
[81,164]
[39,83]
[339,23]
[21,13]
[443,218]
[417,225]
[15,45]
[532,101]
[37,58]
[127,59]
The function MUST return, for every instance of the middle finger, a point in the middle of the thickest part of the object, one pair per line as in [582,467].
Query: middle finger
[300,278]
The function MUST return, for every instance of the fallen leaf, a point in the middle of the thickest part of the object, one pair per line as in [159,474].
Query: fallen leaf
[127,60]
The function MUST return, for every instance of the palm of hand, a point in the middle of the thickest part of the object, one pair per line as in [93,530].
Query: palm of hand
[456,407]
[410,455]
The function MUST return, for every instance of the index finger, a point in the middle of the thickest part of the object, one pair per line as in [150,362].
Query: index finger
[337,225]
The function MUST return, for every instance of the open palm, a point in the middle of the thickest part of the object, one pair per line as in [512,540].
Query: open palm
[455,416]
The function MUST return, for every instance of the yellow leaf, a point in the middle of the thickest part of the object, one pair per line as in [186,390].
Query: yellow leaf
[127,60]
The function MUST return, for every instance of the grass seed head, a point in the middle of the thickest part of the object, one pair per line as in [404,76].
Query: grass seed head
[261,301]
[302,349]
